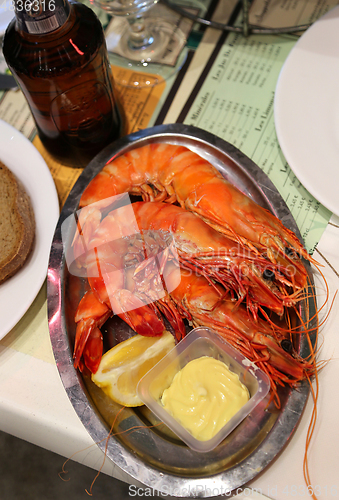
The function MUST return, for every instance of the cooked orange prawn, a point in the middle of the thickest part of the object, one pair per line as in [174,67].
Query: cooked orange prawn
[172,173]
[113,254]
[214,255]
[244,274]
[259,341]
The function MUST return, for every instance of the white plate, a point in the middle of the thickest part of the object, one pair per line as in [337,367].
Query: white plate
[306,110]
[24,160]
[6,14]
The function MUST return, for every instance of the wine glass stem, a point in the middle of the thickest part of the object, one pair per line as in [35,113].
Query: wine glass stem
[139,37]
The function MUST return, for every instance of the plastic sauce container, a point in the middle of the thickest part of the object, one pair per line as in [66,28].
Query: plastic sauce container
[200,342]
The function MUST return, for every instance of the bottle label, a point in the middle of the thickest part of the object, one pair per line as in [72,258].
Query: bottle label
[39,17]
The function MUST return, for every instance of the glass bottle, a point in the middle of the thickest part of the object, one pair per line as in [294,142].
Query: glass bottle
[57,52]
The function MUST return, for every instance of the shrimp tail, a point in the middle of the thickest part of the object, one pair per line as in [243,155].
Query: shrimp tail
[91,314]
[141,317]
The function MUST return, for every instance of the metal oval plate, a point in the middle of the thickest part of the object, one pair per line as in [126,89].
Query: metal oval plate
[150,453]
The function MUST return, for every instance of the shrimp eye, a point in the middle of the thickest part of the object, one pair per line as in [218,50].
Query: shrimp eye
[286,345]
[268,274]
[291,253]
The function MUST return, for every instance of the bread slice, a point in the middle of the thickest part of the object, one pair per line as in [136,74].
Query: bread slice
[17,224]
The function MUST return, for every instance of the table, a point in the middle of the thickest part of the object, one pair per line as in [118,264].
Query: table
[34,405]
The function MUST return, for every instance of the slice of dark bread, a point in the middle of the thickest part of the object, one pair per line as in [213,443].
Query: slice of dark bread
[17,224]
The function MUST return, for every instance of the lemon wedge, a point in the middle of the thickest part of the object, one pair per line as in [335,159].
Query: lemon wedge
[122,367]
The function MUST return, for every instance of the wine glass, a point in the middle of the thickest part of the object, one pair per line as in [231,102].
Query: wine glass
[143,43]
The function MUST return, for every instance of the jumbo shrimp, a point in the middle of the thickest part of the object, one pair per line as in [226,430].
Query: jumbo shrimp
[172,173]
[270,348]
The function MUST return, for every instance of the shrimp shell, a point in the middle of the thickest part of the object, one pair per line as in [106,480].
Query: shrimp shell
[174,173]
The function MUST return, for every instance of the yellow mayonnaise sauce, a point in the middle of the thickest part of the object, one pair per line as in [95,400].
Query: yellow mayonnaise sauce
[204,396]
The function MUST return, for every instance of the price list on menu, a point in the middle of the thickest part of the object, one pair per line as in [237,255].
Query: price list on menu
[236,101]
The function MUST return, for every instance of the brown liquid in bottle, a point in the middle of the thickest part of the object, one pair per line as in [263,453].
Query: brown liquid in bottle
[66,78]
